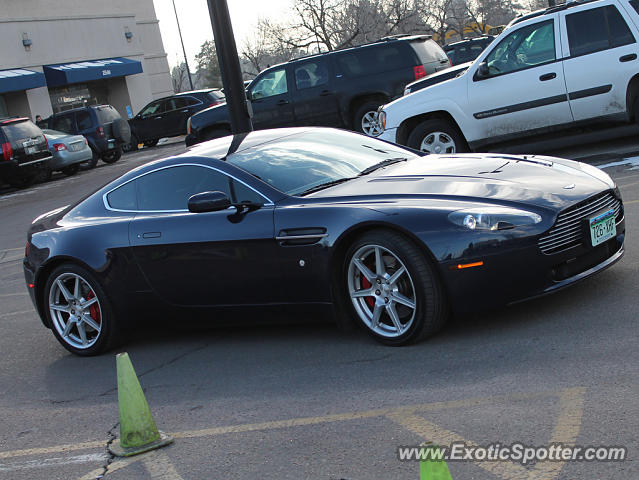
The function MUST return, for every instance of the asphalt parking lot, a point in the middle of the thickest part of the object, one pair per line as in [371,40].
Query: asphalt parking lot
[304,400]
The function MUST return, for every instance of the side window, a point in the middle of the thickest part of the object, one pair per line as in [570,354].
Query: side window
[84,120]
[371,60]
[635,4]
[311,74]
[271,84]
[524,48]
[153,108]
[242,193]
[597,29]
[124,197]
[170,188]
[63,123]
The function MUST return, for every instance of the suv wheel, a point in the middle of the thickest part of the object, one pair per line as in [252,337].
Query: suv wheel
[151,143]
[112,156]
[132,145]
[365,119]
[437,136]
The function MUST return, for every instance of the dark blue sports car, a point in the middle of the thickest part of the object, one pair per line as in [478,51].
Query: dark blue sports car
[312,216]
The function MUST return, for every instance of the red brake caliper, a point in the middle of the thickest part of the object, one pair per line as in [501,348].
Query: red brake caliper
[94,310]
[366,284]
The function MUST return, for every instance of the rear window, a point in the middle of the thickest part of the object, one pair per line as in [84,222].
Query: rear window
[428,51]
[21,130]
[106,114]
[371,60]
[216,95]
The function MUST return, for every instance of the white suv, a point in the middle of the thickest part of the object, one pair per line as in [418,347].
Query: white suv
[557,68]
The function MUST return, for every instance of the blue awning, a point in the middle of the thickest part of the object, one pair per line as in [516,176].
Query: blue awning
[66,73]
[20,79]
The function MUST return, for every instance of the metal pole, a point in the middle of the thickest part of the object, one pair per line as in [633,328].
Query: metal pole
[186,62]
[229,66]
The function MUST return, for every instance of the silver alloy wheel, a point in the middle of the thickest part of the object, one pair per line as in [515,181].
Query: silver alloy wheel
[369,124]
[438,142]
[382,291]
[75,310]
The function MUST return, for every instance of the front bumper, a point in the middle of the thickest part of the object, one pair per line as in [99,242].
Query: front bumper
[389,135]
[191,139]
[11,169]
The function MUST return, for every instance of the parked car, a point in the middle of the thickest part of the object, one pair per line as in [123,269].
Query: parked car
[167,117]
[103,127]
[437,77]
[343,88]
[25,154]
[68,151]
[467,50]
[567,66]
[320,217]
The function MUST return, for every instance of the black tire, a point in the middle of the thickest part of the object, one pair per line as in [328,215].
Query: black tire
[151,143]
[121,130]
[46,175]
[366,110]
[89,164]
[22,182]
[112,156]
[216,133]
[430,128]
[71,170]
[430,310]
[108,335]
[132,146]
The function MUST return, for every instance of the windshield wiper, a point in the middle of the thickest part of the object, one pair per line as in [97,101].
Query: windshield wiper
[382,164]
[324,185]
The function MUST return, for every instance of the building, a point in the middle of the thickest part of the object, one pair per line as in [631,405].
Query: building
[57,55]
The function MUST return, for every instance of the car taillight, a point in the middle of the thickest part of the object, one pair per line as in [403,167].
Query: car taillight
[59,146]
[188,126]
[26,249]
[419,71]
[7,151]
[85,141]
[451,62]
[100,132]
[213,104]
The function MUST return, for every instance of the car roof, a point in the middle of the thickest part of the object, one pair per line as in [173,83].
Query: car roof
[79,109]
[483,38]
[544,11]
[191,92]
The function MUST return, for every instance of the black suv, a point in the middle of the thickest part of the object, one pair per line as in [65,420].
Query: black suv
[25,154]
[342,88]
[467,50]
[103,127]
[167,117]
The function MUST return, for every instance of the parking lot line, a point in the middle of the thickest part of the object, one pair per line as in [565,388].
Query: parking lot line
[160,467]
[301,421]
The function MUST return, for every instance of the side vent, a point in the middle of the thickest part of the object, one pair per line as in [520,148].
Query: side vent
[301,236]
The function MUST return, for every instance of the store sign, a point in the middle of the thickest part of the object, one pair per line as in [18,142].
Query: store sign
[106,72]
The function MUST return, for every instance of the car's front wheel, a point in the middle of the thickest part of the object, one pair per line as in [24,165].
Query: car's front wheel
[394,291]
[365,119]
[79,311]
[437,136]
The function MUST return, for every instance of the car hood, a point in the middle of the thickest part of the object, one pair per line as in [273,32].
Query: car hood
[438,77]
[542,181]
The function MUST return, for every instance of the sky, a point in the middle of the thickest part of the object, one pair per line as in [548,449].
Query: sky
[196,23]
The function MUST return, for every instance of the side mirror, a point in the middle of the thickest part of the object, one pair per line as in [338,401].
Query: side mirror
[482,71]
[209,202]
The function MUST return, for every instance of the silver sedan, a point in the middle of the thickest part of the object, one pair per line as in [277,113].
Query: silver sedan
[69,151]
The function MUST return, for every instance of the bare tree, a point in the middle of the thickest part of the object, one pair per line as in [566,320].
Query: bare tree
[179,78]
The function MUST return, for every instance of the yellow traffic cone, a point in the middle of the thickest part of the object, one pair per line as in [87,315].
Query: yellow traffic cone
[434,468]
[138,433]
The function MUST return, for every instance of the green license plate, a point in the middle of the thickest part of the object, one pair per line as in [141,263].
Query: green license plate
[602,227]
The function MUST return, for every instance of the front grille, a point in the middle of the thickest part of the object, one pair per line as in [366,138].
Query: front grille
[568,230]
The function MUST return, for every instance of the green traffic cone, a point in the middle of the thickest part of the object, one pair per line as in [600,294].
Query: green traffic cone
[433,469]
[138,432]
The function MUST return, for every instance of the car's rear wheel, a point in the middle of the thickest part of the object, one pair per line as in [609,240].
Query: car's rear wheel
[437,136]
[393,289]
[112,156]
[23,181]
[365,119]
[151,143]
[71,170]
[132,145]
[79,311]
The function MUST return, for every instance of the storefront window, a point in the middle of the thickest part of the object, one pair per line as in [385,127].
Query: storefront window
[78,95]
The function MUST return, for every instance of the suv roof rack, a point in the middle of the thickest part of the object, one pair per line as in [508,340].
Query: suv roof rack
[556,8]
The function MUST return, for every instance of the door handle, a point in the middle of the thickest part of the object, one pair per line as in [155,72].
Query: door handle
[628,58]
[548,76]
[324,93]
[185,111]
[282,102]
[151,235]
[158,118]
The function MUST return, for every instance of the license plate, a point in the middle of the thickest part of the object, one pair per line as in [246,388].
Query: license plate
[111,143]
[30,150]
[602,227]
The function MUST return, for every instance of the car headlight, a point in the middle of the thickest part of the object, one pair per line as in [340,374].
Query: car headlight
[597,173]
[493,218]
[381,119]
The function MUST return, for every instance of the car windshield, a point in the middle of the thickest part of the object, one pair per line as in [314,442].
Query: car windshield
[297,164]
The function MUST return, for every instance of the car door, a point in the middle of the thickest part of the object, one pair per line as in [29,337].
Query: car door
[203,259]
[271,99]
[600,53]
[174,116]
[314,99]
[523,88]
[149,122]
